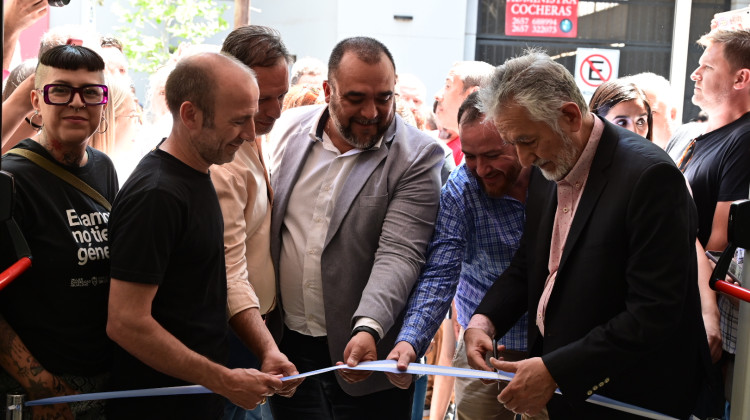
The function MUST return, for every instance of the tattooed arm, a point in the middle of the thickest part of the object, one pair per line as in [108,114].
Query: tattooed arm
[16,359]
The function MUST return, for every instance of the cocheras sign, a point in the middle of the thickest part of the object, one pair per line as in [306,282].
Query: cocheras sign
[542,18]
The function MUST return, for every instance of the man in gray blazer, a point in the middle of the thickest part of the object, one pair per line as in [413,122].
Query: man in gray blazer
[356,194]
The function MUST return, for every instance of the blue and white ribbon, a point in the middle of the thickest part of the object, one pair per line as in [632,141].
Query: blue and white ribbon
[378,366]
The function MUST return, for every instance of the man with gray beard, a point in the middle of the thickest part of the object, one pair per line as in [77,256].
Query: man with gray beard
[607,263]
[356,195]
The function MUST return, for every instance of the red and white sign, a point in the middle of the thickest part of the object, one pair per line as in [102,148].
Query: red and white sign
[541,18]
[595,69]
[595,66]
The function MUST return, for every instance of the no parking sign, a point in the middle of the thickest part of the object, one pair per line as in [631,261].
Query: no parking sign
[595,66]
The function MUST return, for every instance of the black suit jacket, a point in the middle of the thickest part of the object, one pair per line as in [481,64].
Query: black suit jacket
[623,319]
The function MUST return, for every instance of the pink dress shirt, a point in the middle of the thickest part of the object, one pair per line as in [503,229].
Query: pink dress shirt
[569,191]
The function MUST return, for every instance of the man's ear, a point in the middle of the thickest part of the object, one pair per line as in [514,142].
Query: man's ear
[327,90]
[191,116]
[742,79]
[571,119]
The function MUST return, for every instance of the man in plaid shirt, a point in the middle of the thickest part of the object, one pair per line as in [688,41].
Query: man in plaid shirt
[478,229]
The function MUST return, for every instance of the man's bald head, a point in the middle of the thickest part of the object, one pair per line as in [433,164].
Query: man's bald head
[194,79]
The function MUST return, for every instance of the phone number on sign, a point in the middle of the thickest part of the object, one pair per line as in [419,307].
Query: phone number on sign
[535,29]
[537,26]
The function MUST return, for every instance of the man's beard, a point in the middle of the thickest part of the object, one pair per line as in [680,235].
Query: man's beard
[500,189]
[494,192]
[565,161]
[348,134]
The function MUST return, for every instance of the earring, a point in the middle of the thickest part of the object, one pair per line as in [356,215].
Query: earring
[106,125]
[31,122]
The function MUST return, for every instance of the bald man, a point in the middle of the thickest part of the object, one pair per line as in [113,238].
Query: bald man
[168,295]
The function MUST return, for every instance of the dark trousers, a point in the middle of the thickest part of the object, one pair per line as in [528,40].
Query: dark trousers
[321,397]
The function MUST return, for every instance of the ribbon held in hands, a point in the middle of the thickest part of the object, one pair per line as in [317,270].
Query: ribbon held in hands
[378,366]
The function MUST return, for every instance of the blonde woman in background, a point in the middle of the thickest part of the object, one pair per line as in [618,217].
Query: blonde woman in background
[122,115]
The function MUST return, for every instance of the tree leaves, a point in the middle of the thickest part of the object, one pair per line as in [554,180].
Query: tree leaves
[172,21]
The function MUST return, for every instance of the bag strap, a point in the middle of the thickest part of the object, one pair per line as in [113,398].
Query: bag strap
[62,174]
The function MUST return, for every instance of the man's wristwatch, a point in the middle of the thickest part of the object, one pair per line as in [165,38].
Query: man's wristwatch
[368,330]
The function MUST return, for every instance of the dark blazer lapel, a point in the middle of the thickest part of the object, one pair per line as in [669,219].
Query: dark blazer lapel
[595,184]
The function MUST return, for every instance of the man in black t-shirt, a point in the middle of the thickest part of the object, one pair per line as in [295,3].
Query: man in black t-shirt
[715,160]
[167,307]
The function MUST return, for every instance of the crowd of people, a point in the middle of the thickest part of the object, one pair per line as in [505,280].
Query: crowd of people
[262,217]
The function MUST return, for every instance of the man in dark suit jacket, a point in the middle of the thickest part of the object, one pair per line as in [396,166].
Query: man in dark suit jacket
[606,266]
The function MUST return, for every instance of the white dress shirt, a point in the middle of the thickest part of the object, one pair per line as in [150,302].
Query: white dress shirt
[304,232]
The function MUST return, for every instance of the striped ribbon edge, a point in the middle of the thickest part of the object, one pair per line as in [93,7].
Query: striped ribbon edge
[378,366]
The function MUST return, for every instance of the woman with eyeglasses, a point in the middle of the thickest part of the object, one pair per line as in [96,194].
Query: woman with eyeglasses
[53,317]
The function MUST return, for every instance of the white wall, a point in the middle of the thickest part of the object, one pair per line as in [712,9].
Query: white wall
[308,28]
[427,45]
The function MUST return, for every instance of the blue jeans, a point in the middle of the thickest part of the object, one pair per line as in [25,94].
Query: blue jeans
[420,393]
[241,357]
[233,412]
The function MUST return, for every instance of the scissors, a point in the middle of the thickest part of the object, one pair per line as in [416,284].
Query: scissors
[494,354]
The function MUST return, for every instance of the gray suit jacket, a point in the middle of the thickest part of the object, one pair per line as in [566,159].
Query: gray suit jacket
[376,242]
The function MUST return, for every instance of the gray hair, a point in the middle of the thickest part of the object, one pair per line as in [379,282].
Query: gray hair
[473,73]
[535,82]
[654,85]
[305,66]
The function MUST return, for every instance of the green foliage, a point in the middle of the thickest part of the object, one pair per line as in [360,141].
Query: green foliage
[175,21]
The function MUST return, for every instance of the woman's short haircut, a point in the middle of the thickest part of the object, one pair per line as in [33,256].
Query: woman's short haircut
[68,57]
